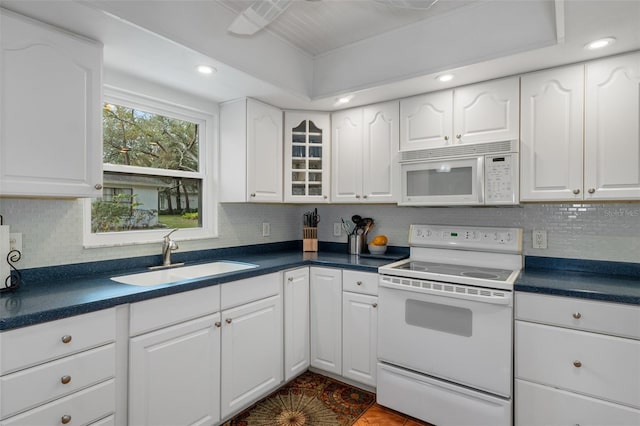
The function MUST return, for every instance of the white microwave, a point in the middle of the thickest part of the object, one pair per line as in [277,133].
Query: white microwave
[478,174]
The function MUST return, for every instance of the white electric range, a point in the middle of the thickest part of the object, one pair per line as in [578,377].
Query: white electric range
[445,325]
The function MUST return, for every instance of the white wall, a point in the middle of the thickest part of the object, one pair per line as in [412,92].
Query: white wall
[52,229]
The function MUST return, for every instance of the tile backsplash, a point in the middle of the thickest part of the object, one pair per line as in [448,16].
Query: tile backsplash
[52,229]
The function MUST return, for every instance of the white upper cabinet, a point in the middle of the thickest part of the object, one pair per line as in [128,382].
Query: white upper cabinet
[51,116]
[486,112]
[551,134]
[483,112]
[560,160]
[250,152]
[612,133]
[364,154]
[380,153]
[427,121]
[307,140]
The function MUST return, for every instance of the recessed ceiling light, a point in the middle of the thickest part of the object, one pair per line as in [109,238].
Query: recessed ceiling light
[344,100]
[600,43]
[445,77]
[205,69]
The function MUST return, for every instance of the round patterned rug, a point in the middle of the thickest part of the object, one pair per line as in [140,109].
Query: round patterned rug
[309,400]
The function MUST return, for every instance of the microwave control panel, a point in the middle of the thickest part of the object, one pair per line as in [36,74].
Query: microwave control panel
[501,179]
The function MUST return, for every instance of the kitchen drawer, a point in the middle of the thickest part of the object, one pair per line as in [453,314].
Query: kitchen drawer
[537,405]
[107,421]
[601,317]
[160,312]
[82,407]
[239,292]
[593,364]
[32,345]
[31,387]
[360,282]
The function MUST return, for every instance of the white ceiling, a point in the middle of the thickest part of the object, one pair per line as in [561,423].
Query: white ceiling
[320,26]
[319,50]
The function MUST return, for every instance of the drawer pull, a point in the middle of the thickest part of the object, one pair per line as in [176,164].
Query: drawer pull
[359,282]
[577,315]
[66,339]
[228,320]
[290,279]
[375,305]
[65,379]
[218,324]
[65,419]
[577,364]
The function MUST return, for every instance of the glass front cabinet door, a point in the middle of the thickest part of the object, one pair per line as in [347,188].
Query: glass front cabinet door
[307,142]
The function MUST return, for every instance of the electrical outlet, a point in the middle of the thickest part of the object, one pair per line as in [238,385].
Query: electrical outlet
[337,229]
[539,239]
[266,229]
[15,241]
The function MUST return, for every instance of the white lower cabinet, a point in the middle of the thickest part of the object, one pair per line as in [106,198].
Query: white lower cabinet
[251,352]
[344,325]
[296,322]
[541,405]
[568,374]
[198,371]
[59,372]
[326,319]
[174,374]
[359,337]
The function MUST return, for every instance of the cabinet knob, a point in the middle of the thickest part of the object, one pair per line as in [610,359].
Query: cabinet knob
[325,197]
[375,305]
[66,339]
[65,380]
[228,320]
[218,324]
[577,364]
[458,136]
[359,282]
[576,191]
[253,194]
[357,195]
[446,138]
[97,186]
[290,279]
[364,196]
[591,190]
[577,315]
[65,419]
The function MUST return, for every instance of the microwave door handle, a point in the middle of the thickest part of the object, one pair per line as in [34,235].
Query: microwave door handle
[480,179]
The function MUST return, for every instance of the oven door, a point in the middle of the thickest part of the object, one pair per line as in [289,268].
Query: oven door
[458,333]
[443,182]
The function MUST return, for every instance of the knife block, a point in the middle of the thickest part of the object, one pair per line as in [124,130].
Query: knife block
[309,239]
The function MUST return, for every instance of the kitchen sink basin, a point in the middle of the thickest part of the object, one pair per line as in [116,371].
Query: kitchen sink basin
[172,275]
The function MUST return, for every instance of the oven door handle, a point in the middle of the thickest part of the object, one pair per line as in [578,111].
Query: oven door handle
[454,291]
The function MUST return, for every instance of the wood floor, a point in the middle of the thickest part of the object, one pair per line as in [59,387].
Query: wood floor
[378,415]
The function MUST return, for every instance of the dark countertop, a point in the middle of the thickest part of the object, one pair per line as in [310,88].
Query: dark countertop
[617,282]
[54,295]
[59,292]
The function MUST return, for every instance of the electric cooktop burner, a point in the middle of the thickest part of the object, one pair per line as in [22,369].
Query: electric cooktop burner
[457,270]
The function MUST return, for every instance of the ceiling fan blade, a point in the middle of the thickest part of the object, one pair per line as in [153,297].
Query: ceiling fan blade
[257,16]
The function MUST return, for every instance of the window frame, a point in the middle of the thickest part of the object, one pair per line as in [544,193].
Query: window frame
[207,157]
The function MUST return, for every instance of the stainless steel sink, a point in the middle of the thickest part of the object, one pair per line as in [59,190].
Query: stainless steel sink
[172,275]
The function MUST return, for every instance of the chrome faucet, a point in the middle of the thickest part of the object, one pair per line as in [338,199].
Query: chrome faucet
[167,245]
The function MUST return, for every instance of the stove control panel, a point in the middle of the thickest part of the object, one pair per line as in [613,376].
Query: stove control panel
[465,237]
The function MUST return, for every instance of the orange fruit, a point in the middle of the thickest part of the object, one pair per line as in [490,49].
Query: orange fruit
[379,240]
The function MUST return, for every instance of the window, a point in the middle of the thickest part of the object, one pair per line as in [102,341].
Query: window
[158,167]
